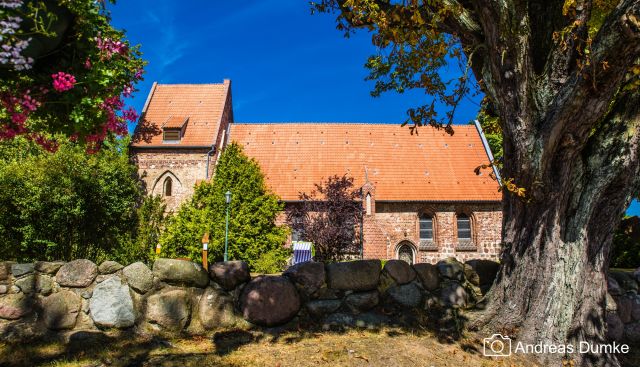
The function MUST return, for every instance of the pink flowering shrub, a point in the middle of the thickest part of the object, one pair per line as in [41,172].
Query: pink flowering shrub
[63,81]
[88,77]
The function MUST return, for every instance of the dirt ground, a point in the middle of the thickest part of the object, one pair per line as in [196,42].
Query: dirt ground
[387,347]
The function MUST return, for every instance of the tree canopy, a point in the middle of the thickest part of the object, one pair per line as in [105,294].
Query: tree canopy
[254,235]
[64,70]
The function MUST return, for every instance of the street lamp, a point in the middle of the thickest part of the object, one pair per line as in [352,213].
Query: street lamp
[227,197]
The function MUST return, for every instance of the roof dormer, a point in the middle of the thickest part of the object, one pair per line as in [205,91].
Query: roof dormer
[173,129]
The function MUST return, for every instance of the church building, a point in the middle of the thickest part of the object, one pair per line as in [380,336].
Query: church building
[422,199]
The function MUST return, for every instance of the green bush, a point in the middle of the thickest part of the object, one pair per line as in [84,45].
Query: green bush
[252,215]
[272,262]
[68,204]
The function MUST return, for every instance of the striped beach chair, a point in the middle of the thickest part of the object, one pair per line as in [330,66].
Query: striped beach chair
[301,252]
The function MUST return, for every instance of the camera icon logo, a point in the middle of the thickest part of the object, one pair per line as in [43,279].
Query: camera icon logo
[497,346]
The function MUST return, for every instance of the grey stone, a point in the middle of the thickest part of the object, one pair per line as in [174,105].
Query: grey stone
[308,276]
[77,273]
[625,304]
[339,319]
[400,271]
[44,284]
[359,275]
[229,274]
[14,306]
[613,287]
[322,307]
[428,275]
[610,303]
[635,308]
[632,332]
[111,304]
[451,268]
[327,293]
[170,308]
[370,320]
[180,272]
[636,275]
[27,284]
[86,294]
[139,277]
[362,301]
[269,301]
[626,281]
[216,309]
[615,327]
[19,270]
[60,310]
[109,267]
[48,267]
[407,295]
[454,295]
[487,271]
[471,276]
[3,289]
[14,289]
[5,270]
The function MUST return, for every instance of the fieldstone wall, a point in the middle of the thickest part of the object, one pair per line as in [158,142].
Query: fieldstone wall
[176,296]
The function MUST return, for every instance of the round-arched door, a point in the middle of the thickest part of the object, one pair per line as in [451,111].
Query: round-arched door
[405,252]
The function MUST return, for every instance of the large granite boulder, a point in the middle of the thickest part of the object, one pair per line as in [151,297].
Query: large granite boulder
[486,270]
[362,301]
[632,332]
[428,275]
[308,276]
[180,272]
[170,308]
[60,310]
[359,275]
[27,283]
[109,267]
[635,308]
[14,306]
[77,273]
[471,276]
[451,268]
[625,305]
[48,267]
[216,309]
[615,327]
[636,275]
[18,270]
[454,295]
[613,287]
[406,295]
[626,281]
[269,301]
[321,307]
[229,274]
[111,304]
[139,277]
[400,271]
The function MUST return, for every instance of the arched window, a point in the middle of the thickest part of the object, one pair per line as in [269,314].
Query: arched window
[368,204]
[167,186]
[464,228]
[426,228]
[405,252]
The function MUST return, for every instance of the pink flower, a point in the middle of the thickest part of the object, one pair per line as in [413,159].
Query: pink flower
[127,91]
[138,74]
[130,114]
[63,81]
[87,64]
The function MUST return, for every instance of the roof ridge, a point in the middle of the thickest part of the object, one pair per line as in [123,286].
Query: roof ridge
[190,84]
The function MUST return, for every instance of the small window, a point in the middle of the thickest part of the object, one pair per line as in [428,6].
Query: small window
[171,135]
[464,228]
[297,230]
[426,228]
[405,253]
[168,183]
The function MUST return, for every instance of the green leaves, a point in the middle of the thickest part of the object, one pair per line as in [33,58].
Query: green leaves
[252,216]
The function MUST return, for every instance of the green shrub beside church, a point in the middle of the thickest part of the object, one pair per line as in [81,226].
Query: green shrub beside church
[253,234]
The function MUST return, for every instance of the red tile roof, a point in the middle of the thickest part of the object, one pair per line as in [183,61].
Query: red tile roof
[201,104]
[175,122]
[430,166]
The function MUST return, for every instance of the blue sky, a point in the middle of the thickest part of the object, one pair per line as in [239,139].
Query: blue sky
[284,63]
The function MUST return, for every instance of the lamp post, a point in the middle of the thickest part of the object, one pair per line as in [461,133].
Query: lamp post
[226,231]
[205,249]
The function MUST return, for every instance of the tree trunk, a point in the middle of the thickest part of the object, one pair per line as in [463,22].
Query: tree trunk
[552,285]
